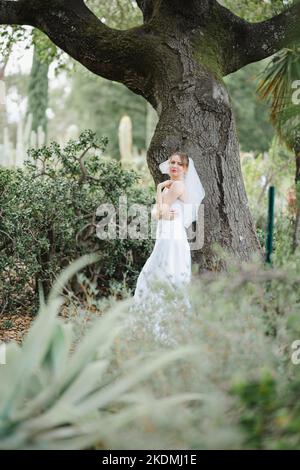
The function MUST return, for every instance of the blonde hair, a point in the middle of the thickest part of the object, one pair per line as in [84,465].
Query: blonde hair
[183,157]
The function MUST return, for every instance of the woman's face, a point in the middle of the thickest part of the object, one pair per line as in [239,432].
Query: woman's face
[176,168]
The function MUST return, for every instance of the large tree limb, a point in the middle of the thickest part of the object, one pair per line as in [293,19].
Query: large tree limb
[111,53]
[251,42]
[12,12]
[267,37]
[234,41]
[128,56]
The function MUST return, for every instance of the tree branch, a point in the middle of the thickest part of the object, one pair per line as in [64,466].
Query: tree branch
[14,12]
[110,53]
[187,8]
[251,42]
[147,8]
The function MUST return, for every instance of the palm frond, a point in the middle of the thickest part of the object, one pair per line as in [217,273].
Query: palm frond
[275,85]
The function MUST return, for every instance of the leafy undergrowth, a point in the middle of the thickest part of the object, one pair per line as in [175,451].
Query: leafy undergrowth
[229,382]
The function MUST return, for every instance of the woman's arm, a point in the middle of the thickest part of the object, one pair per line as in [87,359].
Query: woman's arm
[157,209]
[159,203]
[162,209]
[176,190]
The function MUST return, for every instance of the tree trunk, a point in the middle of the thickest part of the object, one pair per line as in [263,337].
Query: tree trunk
[196,116]
[296,235]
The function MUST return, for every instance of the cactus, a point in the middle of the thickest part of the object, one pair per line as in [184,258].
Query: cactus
[15,157]
[20,148]
[2,93]
[7,151]
[125,139]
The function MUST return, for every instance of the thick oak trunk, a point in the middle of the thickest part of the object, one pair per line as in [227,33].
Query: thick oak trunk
[199,120]
[296,235]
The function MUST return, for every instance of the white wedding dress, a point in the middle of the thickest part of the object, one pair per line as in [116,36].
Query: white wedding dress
[161,285]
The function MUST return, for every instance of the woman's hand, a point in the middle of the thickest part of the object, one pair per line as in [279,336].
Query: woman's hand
[165,184]
[169,214]
[164,213]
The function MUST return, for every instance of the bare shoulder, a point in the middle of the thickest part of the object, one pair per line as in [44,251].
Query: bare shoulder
[178,186]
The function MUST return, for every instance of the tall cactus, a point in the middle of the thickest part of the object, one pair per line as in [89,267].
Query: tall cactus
[125,139]
[20,150]
[15,156]
[2,112]
[2,92]
[7,151]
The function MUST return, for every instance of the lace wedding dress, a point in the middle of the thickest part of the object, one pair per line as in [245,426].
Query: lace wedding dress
[161,286]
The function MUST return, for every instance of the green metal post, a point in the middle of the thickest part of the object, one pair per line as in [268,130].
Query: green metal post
[270,226]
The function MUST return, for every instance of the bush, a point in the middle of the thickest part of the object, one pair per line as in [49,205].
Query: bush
[57,395]
[269,403]
[238,388]
[48,218]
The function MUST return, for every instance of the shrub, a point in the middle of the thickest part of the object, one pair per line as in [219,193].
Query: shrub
[237,388]
[48,218]
[54,395]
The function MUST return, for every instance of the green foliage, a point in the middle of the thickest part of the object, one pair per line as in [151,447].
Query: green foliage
[283,232]
[57,396]
[9,35]
[91,95]
[276,85]
[257,10]
[244,322]
[229,377]
[45,50]
[120,14]
[48,218]
[271,168]
[270,413]
[260,400]
[7,324]
[252,121]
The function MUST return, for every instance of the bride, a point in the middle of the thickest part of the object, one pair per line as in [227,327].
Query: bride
[167,271]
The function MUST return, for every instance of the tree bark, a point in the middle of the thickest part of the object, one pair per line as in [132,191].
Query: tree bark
[196,116]
[176,60]
[296,235]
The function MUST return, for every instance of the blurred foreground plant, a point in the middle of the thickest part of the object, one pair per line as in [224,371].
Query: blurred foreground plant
[49,217]
[55,396]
